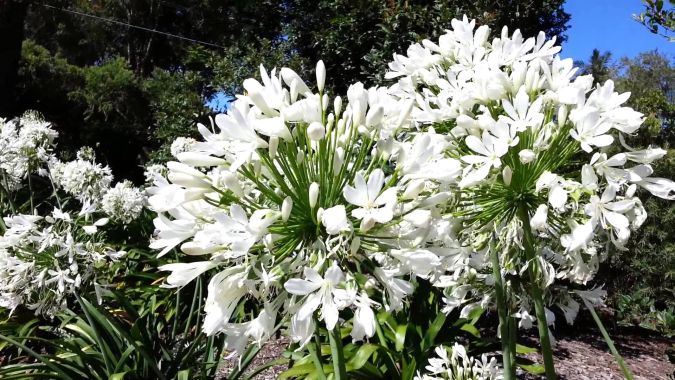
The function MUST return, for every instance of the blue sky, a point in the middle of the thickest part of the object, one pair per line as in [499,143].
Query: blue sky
[608,25]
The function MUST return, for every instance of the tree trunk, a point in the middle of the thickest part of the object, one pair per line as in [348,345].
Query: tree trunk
[12,16]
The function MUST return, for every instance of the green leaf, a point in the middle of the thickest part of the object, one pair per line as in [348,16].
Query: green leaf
[524,349]
[432,331]
[297,370]
[362,356]
[535,369]
[401,331]
[117,376]
[471,329]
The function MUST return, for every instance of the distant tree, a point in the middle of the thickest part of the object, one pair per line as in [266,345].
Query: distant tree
[599,65]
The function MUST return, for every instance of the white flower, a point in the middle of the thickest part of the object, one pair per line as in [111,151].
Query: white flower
[335,220]
[364,318]
[489,150]
[374,206]
[319,291]
[123,202]
[184,273]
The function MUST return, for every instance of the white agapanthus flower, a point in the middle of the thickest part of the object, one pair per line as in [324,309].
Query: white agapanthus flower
[123,202]
[295,205]
[51,249]
[25,143]
[455,364]
[83,178]
[531,143]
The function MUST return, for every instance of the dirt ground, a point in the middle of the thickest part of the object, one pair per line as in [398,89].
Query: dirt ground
[579,355]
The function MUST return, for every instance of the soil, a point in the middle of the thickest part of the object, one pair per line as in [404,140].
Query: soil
[581,354]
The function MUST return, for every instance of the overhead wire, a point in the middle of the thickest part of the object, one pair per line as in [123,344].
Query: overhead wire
[149,30]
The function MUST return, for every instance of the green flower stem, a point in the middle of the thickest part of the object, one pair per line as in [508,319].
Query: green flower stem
[537,294]
[339,368]
[508,343]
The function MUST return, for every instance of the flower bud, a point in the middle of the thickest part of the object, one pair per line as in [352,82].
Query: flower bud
[273,146]
[294,91]
[374,116]
[320,75]
[507,173]
[413,189]
[355,245]
[324,102]
[313,194]
[316,131]
[338,160]
[562,115]
[538,221]
[268,241]
[300,157]
[526,156]
[337,104]
[286,207]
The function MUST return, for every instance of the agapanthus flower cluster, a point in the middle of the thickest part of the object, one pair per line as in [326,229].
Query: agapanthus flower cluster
[455,364]
[52,246]
[24,142]
[541,161]
[45,260]
[123,202]
[83,177]
[316,209]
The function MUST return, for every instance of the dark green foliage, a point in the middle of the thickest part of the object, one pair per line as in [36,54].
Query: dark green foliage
[658,17]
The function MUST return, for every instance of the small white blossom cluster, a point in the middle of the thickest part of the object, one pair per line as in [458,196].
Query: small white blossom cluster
[51,248]
[24,143]
[457,365]
[536,160]
[123,203]
[44,260]
[83,177]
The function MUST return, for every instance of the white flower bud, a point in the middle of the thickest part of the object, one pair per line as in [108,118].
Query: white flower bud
[538,221]
[413,189]
[300,157]
[286,207]
[337,104]
[507,173]
[374,116]
[338,160]
[355,245]
[562,115]
[268,240]
[294,91]
[320,75]
[319,213]
[273,146]
[526,156]
[316,131]
[313,194]
[324,102]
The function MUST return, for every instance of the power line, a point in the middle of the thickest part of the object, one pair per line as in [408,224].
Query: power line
[113,21]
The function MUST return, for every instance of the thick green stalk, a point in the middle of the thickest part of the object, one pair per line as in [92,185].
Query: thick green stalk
[504,316]
[537,294]
[339,368]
